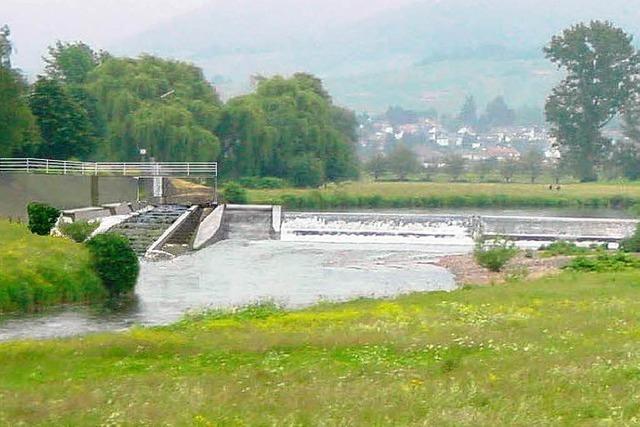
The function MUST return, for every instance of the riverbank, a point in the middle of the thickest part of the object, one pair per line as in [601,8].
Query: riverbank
[445,195]
[467,271]
[37,272]
[557,350]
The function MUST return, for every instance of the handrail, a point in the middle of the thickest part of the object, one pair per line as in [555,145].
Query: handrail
[131,169]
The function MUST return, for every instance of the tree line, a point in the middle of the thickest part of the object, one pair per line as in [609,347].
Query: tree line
[90,105]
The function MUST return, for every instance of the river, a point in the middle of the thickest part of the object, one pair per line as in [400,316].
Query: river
[332,257]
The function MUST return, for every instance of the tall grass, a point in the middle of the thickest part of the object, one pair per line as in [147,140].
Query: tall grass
[40,271]
[556,351]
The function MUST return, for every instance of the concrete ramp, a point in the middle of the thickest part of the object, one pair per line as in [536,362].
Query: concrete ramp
[239,222]
[250,222]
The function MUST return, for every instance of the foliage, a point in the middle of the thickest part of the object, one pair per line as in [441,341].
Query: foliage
[234,193]
[115,262]
[78,231]
[64,124]
[632,244]
[5,47]
[601,65]
[376,165]
[42,218]
[532,164]
[455,166]
[261,183]
[166,107]
[71,62]
[494,255]
[508,169]
[469,112]
[563,248]
[498,114]
[283,126]
[18,129]
[403,161]
[604,262]
[38,272]
[307,171]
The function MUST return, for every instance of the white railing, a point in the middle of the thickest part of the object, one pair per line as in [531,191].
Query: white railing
[135,169]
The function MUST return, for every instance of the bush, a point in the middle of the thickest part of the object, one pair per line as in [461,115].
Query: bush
[605,262]
[632,244]
[562,248]
[235,193]
[42,218]
[495,255]
[78,231]
[115,262]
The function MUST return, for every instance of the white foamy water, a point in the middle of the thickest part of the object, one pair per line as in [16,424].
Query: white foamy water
[378,228]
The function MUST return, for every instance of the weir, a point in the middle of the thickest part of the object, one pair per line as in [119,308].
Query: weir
[449,229]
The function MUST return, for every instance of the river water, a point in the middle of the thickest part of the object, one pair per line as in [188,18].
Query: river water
[333,257]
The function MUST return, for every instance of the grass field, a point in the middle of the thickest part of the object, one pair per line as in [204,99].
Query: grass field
[564,350]
[36,271]
[427,194]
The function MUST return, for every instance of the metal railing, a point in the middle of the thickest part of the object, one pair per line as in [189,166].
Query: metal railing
[135,169]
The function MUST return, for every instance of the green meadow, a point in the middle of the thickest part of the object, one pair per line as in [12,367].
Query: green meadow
[563,350]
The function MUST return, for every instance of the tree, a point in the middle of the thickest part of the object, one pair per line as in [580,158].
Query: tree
[498,114]
[285,124]
[306,171]
[71,62]
[455,166]
[469,112]
[508,169]
[376,165]
[403,161]
[65,127]
[601,66]
[532,164]
[484,167]
[19,134]
[166,107]
[5,47]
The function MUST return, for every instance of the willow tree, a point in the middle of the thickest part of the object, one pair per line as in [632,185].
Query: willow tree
[287,128]
[601,68]
[166,107]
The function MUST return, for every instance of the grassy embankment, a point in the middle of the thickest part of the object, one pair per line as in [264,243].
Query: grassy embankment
[433,195]
[562,350]
[36,271]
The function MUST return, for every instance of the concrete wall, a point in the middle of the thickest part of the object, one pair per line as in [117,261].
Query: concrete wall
[63,192]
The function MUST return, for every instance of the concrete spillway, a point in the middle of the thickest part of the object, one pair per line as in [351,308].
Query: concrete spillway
[447,229]
[144,229]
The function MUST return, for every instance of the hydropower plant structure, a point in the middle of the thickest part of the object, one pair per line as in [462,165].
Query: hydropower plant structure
[161,228]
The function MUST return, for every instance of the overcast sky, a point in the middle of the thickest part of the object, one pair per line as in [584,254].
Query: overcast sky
[36,24]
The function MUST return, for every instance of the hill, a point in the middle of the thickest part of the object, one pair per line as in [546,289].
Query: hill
[401,53]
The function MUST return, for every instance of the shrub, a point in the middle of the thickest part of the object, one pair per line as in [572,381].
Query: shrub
[563,248]
[42,218]
[235,193]
[78,231]
[632,244]
[495,255]
[115,262]
[604,262]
